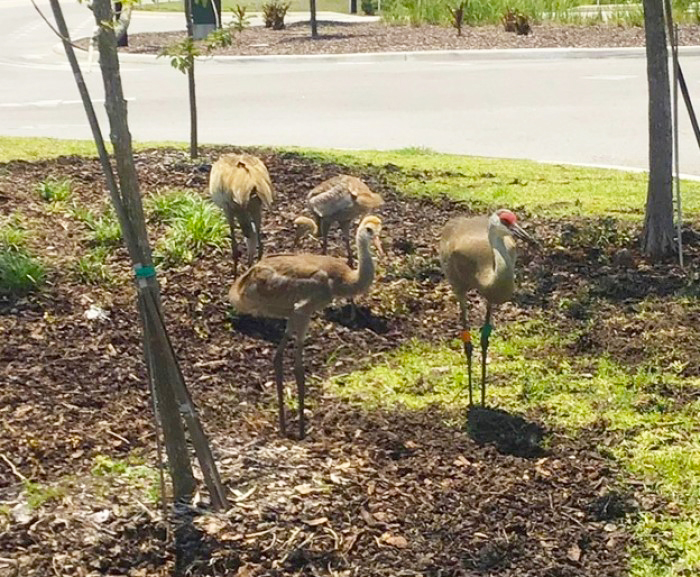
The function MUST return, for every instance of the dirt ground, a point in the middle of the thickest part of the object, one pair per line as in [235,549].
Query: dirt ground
[336,38]
[368,492]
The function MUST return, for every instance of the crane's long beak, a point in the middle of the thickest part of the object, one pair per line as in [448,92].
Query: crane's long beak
[378,245]
[520,233]
[252,248]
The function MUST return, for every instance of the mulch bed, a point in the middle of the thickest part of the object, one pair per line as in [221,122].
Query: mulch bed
[369,492]
[338,38]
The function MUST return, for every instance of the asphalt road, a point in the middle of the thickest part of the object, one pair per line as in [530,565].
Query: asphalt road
[554,108]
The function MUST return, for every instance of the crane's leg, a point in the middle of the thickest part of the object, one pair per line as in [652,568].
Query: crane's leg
[323,229]
[345,229]
[234,245]
[279,378]
[299,325]
[256,213]
[468,346]
[485,334]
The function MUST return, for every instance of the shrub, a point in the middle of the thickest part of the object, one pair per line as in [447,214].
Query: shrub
[369,7]
[457,13]
[53,190]
[240,20]
[274,12]
[516,21]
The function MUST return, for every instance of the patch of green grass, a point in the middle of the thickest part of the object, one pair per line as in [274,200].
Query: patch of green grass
[415,376]
[531,373]
[130,471]
[670,547]
[37,494]
[547,189]
[485,183]
[54,190]
[19,148]
[92,267]
[30,148]
[193,225]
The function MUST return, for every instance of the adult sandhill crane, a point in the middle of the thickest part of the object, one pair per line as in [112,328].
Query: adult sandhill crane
[339,199]
[240,185]
[294,287]
[479,253]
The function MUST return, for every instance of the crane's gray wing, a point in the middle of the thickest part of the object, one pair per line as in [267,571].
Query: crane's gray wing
[331,197]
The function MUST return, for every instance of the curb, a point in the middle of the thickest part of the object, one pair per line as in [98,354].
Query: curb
[419,56]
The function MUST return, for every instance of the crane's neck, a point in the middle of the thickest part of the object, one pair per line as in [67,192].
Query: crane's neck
[364,275]
[503,261]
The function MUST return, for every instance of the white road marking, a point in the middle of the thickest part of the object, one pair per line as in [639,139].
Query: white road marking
[611,77]
[52,103]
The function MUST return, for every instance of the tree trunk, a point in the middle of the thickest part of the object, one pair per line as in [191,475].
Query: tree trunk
[123,19]
[194,146]
[165,378]
[130,211]
[657,236]
[314,26]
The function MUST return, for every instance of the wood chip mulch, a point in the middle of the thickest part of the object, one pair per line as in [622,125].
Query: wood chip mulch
[336,38]
[369,492]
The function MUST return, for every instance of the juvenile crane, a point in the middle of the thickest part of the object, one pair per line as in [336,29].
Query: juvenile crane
[240,185]
[339,199]
[294,287]
[479,253]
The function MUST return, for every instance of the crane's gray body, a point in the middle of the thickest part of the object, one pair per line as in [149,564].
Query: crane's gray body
[470,261]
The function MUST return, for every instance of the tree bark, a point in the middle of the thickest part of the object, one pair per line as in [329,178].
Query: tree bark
[194,146]
[657,236]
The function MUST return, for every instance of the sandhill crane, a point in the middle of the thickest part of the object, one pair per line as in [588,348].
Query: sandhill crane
[294,287]
[240,185]
[339,199]
[479,253]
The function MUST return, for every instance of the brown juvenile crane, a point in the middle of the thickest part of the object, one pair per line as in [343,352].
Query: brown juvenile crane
[240,185]
[479,253]
[294,287]
[339,199]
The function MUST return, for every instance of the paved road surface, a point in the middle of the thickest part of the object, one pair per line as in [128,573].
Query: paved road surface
[577,110]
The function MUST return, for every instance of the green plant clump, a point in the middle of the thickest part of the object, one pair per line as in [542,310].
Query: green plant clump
[104,229]
[12,235]
[476,12]
[20,273]
[193,225]
[54,190]
[92,267]
[38,494]
[274,12]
